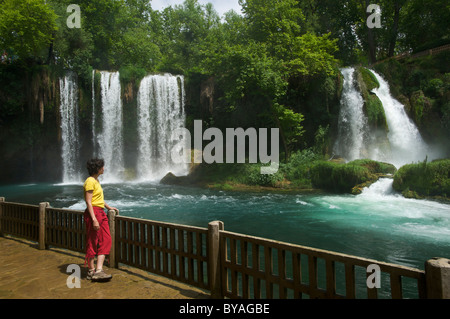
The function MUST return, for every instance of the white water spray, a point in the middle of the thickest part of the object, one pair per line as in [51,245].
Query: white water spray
[407,145]
[69,128]
[356,141]
[352,121]
[160,112]
[110,146]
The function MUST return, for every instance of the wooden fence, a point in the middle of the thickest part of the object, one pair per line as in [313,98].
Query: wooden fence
[271,269]
[404,55]
[227,264]
[175,251]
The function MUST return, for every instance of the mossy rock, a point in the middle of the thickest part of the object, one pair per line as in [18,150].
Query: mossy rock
[171,179]
[420,106]
[369,79]
[373,107]
[375,112]
[343,178]
[424,179]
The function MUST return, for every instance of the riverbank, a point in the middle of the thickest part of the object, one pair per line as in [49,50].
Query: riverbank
[300,175]
[320,176]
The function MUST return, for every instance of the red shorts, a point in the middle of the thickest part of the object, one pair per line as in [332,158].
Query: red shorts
[98,242]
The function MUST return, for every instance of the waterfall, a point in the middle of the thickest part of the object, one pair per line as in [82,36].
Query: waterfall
[356,141]
[407,145]
[160,112]
[109,140]
[69,128]
[93,114]
[352,121]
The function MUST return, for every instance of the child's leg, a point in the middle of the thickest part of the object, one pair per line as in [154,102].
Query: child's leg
[100,261]
[91,264]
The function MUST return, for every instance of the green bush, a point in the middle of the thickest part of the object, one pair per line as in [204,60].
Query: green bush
[434,88]
[424,179]
[254,176]
[375,167]
[340,177]
[130,73]
[297,169]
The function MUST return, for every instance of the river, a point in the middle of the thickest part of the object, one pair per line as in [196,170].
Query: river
[377,224]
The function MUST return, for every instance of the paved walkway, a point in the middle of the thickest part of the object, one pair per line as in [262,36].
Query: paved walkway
[29,273]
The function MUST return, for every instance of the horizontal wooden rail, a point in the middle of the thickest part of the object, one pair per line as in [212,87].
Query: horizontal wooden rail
[404,55]
[261,264]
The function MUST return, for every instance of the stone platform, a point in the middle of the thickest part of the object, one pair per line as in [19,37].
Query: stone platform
[29,273]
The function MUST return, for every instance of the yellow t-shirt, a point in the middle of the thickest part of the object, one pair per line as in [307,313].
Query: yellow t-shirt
[91,184]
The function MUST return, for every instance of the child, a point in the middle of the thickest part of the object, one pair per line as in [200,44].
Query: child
[98,237]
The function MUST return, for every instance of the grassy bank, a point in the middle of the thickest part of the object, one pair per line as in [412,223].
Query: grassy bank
[425,179]
[305,172]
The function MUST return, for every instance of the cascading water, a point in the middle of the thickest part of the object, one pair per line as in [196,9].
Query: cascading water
[94,143]
[69,128]
[356,141]
[160,113]
[354,137]
[109,140]
[352,121]
[407,145]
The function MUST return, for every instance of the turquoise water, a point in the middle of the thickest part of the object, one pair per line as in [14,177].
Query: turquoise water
[377,224]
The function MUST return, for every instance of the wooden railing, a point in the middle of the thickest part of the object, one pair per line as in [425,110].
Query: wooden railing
[404,55]
[20,220]
[174,251]
[64,228]
[267,269]
[228,264]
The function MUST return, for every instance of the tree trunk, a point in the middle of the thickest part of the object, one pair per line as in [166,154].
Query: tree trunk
[371,40]
[394,31]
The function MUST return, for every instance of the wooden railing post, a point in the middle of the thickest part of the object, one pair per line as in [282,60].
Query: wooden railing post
[215,278]
[112,229]
[42,208]
[437,274]
[2,200]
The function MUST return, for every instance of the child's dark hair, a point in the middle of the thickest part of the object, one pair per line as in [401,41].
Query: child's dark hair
[94,165]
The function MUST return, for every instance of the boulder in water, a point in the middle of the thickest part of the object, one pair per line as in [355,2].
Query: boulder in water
[171,179]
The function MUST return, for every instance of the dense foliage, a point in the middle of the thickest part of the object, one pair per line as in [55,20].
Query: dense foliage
[275,64]
[424,179]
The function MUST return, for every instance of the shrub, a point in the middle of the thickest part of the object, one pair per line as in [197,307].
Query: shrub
[423,178]
[338,177]
[297,169]
[434,88]
[254,177]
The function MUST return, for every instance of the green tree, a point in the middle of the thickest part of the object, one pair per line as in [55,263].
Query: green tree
[71,48]
[274,22]
[186,30]
[27,28]
[425,24]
